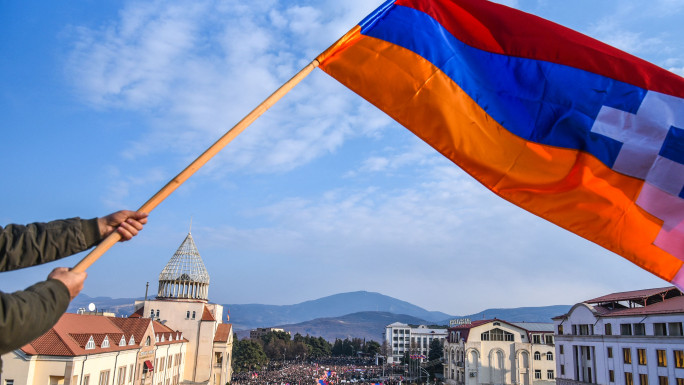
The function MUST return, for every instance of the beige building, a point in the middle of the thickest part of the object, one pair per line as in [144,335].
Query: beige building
[500,352]
[94,350]
[182,303]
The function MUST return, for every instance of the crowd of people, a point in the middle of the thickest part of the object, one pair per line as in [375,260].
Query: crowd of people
[330,371]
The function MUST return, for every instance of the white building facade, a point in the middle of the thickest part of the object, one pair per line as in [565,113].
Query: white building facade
[410,340]
[500,352]
[623,338]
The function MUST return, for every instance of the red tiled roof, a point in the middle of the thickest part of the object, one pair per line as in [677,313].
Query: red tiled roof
[73,331]
[223,332]
[50,343]
[138,313]
[669,306]
[207,316]
[631,295]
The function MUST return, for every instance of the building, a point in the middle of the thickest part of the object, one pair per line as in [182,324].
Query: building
[92,350]
[627,338]
[182,303]
[499,352]
[411,340]
[257,333]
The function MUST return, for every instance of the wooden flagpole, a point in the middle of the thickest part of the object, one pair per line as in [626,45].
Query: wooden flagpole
[199,162]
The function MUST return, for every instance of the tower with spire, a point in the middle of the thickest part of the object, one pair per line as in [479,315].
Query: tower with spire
[184,276]
[182,303]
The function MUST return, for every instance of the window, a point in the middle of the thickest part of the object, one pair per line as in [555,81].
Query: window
[574,330]
[643,379]
[560,348]
[610,352]
[536,339]
[122,375]
[187,316]
[679,358]
[86,379]
[611,376]
[549,339]
[628,379]
[169,363]
[151,313]
[608,329]
[537,374]
[537,356]
[104,377]
[496,335]
[148,341]
[639,329]
[586,330]
[105,342]
[627,355]
[626,330]
[157,313]
[675,329]
[663,380]
[9,382]
[560,329]
[90,344]
[659,329]
[131,341]
[662,357]
[562,367]
[122,341]
[549,356]
[549,375]
[641,355]
[193,315]
[161,363]
[395,330]
[680,381]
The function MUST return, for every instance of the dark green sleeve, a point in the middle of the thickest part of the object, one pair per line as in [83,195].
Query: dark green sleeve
[37,243]
[26,315]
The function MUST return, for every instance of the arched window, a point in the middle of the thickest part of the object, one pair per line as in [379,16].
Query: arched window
[193,315]
[549,356]
[187,315]
[157,313]
[148,341]
[537,356]
[151,313]
[496,334]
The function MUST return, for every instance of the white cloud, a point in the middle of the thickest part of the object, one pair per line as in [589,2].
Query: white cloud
[196,70]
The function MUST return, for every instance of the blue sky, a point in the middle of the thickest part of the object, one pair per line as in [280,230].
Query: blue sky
[101,103]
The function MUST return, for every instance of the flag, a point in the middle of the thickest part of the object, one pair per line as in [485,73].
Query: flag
[575,131]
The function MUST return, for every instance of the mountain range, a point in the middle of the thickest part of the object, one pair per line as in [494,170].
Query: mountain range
[356,314]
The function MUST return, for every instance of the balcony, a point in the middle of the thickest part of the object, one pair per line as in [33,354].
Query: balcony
[565,381]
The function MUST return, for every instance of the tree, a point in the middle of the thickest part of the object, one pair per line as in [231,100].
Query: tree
[435,357]
[371,348]
[248,355]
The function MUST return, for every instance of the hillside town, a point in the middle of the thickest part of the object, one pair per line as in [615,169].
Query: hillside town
[179,337]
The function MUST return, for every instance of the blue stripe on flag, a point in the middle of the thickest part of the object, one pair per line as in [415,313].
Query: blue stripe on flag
[539,101]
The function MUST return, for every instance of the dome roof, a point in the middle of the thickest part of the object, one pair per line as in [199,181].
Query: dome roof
[186,265]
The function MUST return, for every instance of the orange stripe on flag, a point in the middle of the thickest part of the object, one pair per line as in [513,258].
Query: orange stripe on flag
[565,186]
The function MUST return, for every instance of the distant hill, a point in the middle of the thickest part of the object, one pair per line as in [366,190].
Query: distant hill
[357,314]
[518,314]
[253,315]
[368,324]
[122,307]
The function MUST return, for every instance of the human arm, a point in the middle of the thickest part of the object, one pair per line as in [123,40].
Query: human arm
[25,315]
[38,243]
